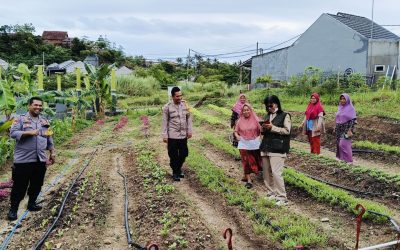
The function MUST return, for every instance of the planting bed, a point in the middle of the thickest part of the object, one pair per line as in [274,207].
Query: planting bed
[192,213]
[366,180]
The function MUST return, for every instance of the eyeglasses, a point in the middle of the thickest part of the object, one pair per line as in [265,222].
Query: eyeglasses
[270,106]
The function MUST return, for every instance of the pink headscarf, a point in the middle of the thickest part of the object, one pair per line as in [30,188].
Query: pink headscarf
[238,105]
[347,112]
[249,128]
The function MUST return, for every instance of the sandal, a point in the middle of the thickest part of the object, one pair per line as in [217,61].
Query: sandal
[248,185]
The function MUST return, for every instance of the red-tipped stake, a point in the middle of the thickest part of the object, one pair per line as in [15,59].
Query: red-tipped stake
[229,242]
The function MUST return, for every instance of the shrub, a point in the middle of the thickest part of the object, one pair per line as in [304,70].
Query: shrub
[382,82]
[264,79]
[163,78]
[137,86]
[6,149]
[355,81]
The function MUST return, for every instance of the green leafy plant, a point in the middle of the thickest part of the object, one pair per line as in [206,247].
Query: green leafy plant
[7,100]
[378,146]
[100,86]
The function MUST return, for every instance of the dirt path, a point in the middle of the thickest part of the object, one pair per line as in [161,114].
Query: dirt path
[216,221]
[114,237]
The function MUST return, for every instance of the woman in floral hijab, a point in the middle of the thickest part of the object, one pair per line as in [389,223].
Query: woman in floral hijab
[346,118]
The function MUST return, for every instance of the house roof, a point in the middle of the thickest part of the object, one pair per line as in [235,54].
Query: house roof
[92,59]
[54,35]
[66,64]
[363,26]
[123,71]
[79,64]
[3,64]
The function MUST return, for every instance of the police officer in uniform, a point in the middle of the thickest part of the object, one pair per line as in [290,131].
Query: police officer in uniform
[176,129]
[33,138]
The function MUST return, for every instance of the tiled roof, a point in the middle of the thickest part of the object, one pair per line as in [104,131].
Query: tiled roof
[363,26]
[54,35]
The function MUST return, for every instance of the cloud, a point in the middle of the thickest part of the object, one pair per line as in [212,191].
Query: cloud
[171,27]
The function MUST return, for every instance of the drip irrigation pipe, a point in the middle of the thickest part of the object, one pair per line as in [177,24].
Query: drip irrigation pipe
[39,244]
[127,229]
[340,186]
[360,150]
[383,245]
[390,219]
[26,212]
[354,150]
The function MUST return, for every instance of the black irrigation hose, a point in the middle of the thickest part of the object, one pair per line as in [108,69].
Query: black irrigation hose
[340,186]
[39,244]
[127,229]
[360,150]
[354,150]
[390,219]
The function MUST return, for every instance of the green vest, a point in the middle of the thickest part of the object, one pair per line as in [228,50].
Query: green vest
[273,142]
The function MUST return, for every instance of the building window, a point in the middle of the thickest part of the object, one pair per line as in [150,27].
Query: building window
[379,68]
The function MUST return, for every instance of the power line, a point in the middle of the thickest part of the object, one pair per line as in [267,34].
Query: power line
[222,54]
[270,48]
[227,55]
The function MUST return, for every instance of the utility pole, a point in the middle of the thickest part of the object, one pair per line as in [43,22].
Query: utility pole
[371,36]
[257,49]
[372,19]
[187,68]
[241,75]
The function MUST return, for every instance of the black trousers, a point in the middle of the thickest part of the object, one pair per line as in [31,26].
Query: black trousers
[24,175]
[177,152]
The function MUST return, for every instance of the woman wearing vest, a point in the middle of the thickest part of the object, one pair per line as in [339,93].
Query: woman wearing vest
[313,123]
[247,131]
[274,147]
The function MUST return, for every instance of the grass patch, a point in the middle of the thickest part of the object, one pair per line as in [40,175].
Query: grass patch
[207,118]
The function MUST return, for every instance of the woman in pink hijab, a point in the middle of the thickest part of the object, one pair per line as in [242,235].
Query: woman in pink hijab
[247,131]
[346,118]
[236,109]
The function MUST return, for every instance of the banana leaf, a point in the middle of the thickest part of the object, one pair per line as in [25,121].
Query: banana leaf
[7,100]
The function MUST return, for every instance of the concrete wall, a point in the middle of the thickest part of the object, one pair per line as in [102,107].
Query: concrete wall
[273,63]
[383,52]
[330,45]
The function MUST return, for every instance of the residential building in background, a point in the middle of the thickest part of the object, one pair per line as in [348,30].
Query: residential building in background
[341,43]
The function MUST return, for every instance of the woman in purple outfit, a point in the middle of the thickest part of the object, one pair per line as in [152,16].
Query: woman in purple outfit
[345,120]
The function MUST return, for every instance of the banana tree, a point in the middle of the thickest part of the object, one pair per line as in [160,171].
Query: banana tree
[7,100]
[100,86]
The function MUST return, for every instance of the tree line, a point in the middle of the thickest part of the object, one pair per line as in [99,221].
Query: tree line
[19,44]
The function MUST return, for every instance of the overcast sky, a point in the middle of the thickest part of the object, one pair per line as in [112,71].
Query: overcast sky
[168,28]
